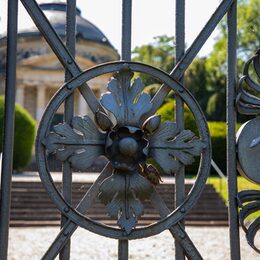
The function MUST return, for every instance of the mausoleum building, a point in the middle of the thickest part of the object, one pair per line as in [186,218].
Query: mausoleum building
[39,72]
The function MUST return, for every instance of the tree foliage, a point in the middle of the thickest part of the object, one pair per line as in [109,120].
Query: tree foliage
[159,54]
[196,82]
[248,24]
[206,77]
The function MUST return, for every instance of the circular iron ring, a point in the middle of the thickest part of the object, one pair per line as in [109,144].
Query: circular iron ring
[181,211]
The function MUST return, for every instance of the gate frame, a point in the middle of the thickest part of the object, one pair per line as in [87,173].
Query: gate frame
[183,60]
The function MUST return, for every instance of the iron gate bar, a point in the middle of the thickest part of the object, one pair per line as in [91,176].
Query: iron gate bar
[179,114]
[60,51]
[9,115]
[176,230]
[123,246]
[66,56]
[191,53]
[68,115]
[126,30]
[83,206]
[231,133]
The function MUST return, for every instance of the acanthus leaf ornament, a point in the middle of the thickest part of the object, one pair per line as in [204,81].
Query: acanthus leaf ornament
[80,144]
[103,121]
[123,195]
[127,144]
[151,124]
[125,100]
[171,148]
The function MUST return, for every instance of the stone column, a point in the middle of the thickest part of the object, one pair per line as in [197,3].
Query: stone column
[20,95]
[83,108]
[40,102]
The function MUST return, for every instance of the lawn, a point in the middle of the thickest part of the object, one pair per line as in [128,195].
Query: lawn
[221,187]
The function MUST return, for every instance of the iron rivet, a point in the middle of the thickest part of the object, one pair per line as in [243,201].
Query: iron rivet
[181,90]
[66,209]
[65,233]
[125,66]
[69,61]
[182,236]
[182,210]
[181,66]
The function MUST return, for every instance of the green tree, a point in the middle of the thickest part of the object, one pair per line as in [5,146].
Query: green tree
[196,82]
[248,25]
[206,77]
[159,54]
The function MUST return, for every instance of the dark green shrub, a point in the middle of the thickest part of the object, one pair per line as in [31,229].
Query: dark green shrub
[218,140]
[216,108]
[167,113]
[24,135]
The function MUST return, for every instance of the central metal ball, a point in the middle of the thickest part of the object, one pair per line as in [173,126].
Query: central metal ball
[128,146]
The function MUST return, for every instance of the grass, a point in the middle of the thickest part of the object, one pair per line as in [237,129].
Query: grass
[220,186]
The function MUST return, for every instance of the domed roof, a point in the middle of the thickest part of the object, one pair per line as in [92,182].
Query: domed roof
[55,11]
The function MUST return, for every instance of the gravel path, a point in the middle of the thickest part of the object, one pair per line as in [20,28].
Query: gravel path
[213,243]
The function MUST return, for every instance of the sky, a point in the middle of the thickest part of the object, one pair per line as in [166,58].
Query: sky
[150,18]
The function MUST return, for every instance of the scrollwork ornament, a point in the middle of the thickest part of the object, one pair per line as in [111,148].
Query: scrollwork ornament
[79,143]
[248,103]
[249,203]
[248,148]
[129,143]
[248,137]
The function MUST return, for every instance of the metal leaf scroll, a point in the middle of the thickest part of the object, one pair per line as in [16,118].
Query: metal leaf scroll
[80,144]
[248,147]
[122,194]
[172,148]
[248,103]
[249,202]
[125,100]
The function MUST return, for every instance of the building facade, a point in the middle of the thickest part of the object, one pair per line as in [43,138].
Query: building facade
[39,72]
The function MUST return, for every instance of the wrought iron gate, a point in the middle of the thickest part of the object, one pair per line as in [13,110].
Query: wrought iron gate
[129,134]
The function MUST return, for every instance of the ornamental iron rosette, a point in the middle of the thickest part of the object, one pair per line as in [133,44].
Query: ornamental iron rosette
[248,147]
[139,147]
[127,145]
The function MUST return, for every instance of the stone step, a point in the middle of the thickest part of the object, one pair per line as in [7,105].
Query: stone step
[31,206]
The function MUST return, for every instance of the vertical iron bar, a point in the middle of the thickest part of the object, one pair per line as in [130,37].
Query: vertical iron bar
[123,250]
[231,132]
[126,30]
[179,112]
[125,55]
[8,137]
[68,115]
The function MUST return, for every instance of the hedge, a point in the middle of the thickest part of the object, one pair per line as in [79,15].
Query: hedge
[167,113]
[216,109]
[24,135]
[217,132]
